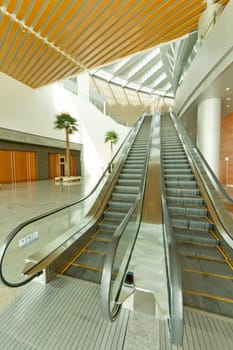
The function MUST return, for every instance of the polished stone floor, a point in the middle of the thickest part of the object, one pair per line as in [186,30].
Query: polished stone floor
[22,201]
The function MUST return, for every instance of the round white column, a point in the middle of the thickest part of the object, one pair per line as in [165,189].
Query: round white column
[208,131]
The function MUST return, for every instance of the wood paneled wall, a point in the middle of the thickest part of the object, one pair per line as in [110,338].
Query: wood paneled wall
[226,150]
[17,166]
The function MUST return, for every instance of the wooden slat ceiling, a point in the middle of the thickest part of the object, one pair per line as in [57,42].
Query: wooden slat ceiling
[43,41]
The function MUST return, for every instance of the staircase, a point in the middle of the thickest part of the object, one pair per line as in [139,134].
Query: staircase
[207,273]
[88,263]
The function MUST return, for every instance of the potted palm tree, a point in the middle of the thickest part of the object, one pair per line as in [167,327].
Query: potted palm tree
[67,122]
[111,137]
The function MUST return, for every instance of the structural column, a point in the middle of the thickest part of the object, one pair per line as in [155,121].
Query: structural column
[208,131]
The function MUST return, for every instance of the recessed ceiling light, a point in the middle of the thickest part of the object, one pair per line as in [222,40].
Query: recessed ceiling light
[227,106]
[227,89]
[228,98]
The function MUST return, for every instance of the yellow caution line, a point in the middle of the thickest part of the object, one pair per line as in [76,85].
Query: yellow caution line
[96,269]
[226,257]
[101,240]
[202,257]
[228,300]
[77,255]
[88,267]
[208,274]
[214,235]
[198,244]
[91,251]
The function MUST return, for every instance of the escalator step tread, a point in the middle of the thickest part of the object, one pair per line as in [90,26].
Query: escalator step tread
[212,285]
[218,307]
[199,250]
[194,210]
[98,246]
[213,265]
[84,274]
[105,235]
[191,235]
[90,259]
[119,204]
[185,184]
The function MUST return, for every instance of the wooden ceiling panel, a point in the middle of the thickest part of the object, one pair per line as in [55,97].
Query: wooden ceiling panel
[44,41]
[11,5]
[130,37]
[66,69]
[103,25]
[58,33]
[53,64]
[138,41]
[34,10]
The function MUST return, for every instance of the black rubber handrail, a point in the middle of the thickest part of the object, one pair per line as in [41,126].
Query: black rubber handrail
[15,231]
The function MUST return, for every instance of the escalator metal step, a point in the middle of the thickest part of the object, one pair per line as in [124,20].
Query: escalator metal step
[119,204]
[188,210]
[84,274]
[97,247]
[191,222]
[128,182]
[105,235]
[195,236]
[126,197]
[209,293]
[194,250]
[109,225]
[126,189]
[180,183]
[90,260]
[185,200]
[179,177]
[117,214]
[180,192]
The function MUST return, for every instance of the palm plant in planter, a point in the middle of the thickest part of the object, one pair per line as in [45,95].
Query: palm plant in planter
[111,137]
[67,122]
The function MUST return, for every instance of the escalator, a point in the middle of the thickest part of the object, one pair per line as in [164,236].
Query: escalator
[87,264]
[207,270]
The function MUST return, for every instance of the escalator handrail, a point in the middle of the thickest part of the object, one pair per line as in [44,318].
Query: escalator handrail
[108,267]
[173,272]
[215,181]
[15,231]
[112,249]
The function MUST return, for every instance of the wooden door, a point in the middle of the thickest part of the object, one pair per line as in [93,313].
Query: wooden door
[54,168]
[17,166]
[73,170]
[6,167]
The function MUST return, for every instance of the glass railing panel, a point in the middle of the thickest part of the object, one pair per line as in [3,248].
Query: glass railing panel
[50,231]
[41,235]
[120,250]
[117,260]
[122,255]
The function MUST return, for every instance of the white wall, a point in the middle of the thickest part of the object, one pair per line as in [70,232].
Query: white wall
[33,111]
[213,57]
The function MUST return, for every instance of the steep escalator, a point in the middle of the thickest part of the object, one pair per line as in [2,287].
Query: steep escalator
[88,263]
[207,271]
